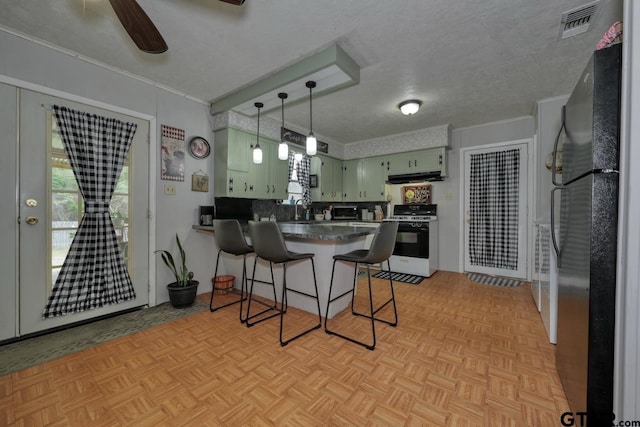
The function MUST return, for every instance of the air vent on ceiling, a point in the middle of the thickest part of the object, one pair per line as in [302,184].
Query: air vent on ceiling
[577,21]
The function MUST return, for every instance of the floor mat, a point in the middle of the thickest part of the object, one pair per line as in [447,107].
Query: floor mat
[400,277]
[32,351]
[493,280]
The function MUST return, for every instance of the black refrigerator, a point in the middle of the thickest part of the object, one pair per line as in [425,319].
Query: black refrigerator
[587,243]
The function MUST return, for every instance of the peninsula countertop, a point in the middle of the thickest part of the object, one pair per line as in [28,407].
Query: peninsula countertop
[312,230]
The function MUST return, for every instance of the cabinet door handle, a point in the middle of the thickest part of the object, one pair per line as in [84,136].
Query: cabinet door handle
[245,187]
[440,158]
[365,194]
[415,163]
[409,163]
[268,189]
[274,188]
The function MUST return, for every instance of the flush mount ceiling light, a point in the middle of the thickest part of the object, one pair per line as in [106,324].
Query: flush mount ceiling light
[331,69]
[410,107]
[257,151]
[312,143]
[283,147]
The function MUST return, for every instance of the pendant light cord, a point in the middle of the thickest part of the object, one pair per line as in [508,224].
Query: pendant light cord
[310,111]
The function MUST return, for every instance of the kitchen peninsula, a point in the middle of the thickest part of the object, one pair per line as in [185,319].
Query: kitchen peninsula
[320,238]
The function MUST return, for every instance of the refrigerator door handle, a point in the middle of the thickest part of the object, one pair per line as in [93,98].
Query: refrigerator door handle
[556,248]
[554,153]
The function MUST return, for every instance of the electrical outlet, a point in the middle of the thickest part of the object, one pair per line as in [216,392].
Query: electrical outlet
[170,189]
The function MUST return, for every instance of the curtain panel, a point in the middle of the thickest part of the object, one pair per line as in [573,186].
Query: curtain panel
[494,198]
[94,272]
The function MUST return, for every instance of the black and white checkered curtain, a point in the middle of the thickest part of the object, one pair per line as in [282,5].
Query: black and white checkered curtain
[493,228]
[94,273]
[303,172]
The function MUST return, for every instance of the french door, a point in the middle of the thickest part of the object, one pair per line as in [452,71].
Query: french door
[50,209]
[495,210]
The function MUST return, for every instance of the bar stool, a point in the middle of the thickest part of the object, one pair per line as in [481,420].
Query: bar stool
[269,245]
[230,239]
[381,249]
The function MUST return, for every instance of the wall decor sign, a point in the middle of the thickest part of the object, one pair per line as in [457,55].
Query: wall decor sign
[172,153]
[416,194]
[200,181]
[294,137]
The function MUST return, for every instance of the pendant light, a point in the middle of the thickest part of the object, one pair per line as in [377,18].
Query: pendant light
[312,143]
[257,151]
[283,148]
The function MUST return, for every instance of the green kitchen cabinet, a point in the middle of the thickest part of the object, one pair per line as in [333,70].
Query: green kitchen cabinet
[364,180]
[231,162]
[350,182]
[372,176]
[279,174]
[428,160]
[329,172]
[235,173]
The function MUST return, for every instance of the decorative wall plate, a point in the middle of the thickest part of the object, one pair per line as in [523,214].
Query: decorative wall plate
[199,147]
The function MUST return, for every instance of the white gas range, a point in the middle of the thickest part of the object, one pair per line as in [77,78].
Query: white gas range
[416,248]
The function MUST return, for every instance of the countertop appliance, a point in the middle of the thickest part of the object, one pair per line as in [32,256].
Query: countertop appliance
[416,248]
[587,241]
[345,212]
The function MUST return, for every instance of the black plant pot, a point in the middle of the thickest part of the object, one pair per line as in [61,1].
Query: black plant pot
[182,296]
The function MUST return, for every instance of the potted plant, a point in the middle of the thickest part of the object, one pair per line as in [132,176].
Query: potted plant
[183,291]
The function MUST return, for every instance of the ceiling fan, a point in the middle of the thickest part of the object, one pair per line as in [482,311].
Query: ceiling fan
[140,28]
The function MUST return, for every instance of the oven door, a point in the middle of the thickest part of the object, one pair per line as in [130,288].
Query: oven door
[412,241]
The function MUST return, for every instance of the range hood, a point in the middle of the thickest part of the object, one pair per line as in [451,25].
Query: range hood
[406,178]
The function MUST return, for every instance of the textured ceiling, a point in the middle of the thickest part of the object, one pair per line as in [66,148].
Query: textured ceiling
[469,61]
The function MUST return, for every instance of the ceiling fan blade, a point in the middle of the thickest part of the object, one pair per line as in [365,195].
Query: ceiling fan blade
[140,28]
[236,2]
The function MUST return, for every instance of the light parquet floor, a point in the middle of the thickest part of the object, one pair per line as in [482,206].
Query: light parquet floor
[463,354]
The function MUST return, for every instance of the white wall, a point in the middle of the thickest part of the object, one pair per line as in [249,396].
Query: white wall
[61,74]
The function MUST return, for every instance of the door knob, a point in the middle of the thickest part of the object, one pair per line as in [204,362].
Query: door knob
[31,220]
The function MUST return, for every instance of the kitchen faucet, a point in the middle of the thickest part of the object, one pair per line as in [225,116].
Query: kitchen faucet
[297,217]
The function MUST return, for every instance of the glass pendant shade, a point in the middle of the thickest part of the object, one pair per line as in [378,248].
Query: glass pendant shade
[283,151]
[312,144]
[257,155]
[257,150]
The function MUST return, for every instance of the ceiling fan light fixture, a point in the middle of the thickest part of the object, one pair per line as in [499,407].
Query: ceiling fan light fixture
[410,107]
[283,147]
[257,151]
[312,142]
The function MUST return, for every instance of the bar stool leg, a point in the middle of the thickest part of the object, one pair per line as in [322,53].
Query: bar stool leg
[284,299]
[273,307]
[390,300]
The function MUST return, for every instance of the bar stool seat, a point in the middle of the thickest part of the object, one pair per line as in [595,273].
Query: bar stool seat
[380,250]
[269,245]
[230,239]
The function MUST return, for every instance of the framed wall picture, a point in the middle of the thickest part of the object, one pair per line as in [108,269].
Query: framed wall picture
[416,194]
[313,181]
[200,182]
[172,153]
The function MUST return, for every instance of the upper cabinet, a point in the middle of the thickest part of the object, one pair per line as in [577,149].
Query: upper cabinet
[364,180]
[429,160]
[329,172]
[237,176]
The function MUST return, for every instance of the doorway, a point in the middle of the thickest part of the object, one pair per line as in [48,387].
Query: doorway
[496,199]
[50,206]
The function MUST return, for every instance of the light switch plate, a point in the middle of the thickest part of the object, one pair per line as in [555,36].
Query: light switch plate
[170,189]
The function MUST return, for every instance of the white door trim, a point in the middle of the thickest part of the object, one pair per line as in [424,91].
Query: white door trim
[529,142]
[153,148]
